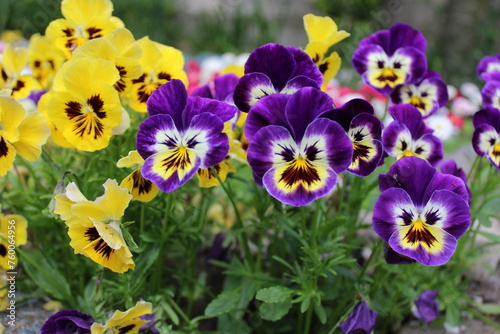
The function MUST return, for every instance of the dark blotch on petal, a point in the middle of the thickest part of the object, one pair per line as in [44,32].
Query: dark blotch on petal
[419,234]
[97,105]
[126,329]
[300,171]
[142,185]
[73,109]
[94,32]
[164,76]
[3,250]
[101,247]
[4,149]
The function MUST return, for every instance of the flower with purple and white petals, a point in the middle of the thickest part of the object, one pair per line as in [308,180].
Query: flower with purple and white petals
[361,320]
[221,89]
[365,131]
[486,136]
[489,68]
[408,135]
[294,154]
[272,69]
[426,307]
[181,135]
[391,57]
[67,321]
[421,212]
[490,94]
[428,94]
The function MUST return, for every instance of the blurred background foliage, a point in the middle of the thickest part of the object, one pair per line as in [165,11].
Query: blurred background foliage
[459,32]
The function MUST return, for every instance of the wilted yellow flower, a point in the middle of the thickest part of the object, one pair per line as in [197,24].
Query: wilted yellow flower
[83,20]
[160,64]
[140,188]
[128,322]
[21,133]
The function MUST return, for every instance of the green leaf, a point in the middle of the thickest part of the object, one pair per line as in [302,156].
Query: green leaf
[452,315]
[274,294]
[224,303]
[492,309]
[320,312]
[171,313]
[493,237]
[228,324]
[304,306]
[129,239]
[275,311]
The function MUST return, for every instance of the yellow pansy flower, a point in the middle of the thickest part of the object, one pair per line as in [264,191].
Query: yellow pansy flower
[160,64]
[21,132]
[83,20]
[140,188]
[128,322]
[94,226]
[12,64]
[13,233]
[84,106]
[44,59]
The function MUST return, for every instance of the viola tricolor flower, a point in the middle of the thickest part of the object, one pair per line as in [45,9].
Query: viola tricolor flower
[140,188]
[428,94]
[294,154]
[365,131]
[391,57]
[426,307]
[489,68]
[486,137]
[361,320]
[67,321]
[181,135]
[128,322]
[408,135]
[490,94]
[94,226]
[272,69]
[421,212]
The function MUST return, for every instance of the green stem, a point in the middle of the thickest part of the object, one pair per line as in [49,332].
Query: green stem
[341,319]
[373,255]
[307,324]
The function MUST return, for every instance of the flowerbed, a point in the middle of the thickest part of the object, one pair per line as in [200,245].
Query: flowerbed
[266,198]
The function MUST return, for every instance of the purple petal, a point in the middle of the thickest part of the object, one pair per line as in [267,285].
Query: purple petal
[489,116]
[393,207]
[297,83]
[488,68]
[412,61]
[270,110]
[426,307]
[273,60]
[67,321]
[305,106]
[369,122]
[346,113]
[155,129]
[450,167]
[396,139]
[360,320]
[448,211]
[403,35]
[203,91]
[224,87]
[430,148]
[251,88]
[392,257]
[304,66]
[381,38]
[365,54]
[366,158]
[449,182]
[483,139]
[169,98]
[491,94]
[197,105]
[411,118]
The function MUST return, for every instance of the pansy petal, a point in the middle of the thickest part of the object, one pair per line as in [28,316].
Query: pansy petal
[157,129]
[251,88]
[484,139]
[488,68]
[141,189]
[297,83]
[7,156]
[273,60]
[491,94]
[304,66]
[403,35]
[224,87]
[397,139]
[268,111]
[196,105]
[169,98]
[366,157]
[489,116]
[411,118]
[430,148]
[346,112]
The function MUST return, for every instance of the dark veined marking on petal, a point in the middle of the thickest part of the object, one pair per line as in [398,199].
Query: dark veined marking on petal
[287,153]
[407,217]
[142,94]
[387,75]
[73,109]
[432,216]
[4,149]
[4,75]
[417,102]
[361,151]
[97,104]
[37,63]
[100,247]
[359,135]
[192,142]
[3,250]
[208,173]
[496,150]
[170,142]
[419,150]
[120,85]
[179,159]
[418,233]
[68,32]
[380,64]
[164,76]
[312,152]
[70,44]
[94,32]
[140,79]
[299,170]
[19,85]
[404,145]
[142,185]
[51,62]
[324,67]
[88,122]
[126,329]
[316,58]
[397,65]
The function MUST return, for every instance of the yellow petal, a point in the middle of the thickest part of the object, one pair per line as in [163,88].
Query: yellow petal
[7,156]
[330,67]
[12,114]
[33,133]
[24,85]
[17,223]
[133,159]
[120,319]
[115,199]
[82,11]
[323,29]
[14,59]
[84,72]
[140,188]
[207,178]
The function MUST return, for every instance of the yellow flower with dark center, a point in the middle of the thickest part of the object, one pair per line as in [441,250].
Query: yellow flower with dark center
[83,20]
[323,33]
[44,59]
[128,322]
[140,188]
[12,64]
[85,107]
[119,47]
[12,234]
[160,64]
[21,132]
[94,226]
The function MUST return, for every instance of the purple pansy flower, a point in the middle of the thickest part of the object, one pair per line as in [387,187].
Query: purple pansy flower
[490,94]
[450,167]
[221,89]
[181,135]
[426,307]
[148,328]
[272,69]
[428,94]
[391,57]
[68,322]
[408,135]
[421,212]
[365,130]
[294,154]
[486,137]
[361,320]
[489,68]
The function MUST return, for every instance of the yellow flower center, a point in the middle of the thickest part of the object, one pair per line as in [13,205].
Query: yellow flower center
[408,154]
